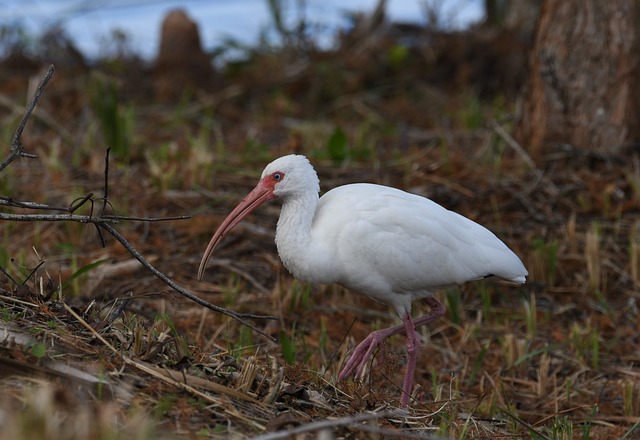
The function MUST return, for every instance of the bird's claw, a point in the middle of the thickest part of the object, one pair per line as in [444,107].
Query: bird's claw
[361,355]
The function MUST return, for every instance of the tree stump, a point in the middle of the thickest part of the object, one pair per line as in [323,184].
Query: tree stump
[181,64]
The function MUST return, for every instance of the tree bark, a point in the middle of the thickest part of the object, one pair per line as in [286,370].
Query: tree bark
[583,77]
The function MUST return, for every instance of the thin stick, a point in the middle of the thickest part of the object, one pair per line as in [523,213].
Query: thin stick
[77,203]
[514,145]
[105,196]
[83,218]
[11,202]
[145,219]
[320,425]
[73,206]
[55,218]
[4,271]
[339,345]
[175,286]
[32,105]
[40,114]
[118,310]
[17,149]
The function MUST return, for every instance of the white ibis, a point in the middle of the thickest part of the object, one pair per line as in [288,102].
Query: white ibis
[385,243]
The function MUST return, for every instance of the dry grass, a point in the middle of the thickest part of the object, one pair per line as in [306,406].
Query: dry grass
[555,358]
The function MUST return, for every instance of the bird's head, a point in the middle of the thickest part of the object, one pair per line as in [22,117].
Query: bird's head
[286,177]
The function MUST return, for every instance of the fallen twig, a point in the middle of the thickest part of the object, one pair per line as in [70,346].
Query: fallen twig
[351,422]
[83,218]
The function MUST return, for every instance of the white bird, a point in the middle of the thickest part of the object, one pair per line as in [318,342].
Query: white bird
[385,243]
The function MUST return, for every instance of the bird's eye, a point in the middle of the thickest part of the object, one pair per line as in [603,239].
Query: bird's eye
[277,176]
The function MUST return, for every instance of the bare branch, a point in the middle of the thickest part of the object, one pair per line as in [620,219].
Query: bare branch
[77,203]
[40,114]
[105,200]
[4,271]
[146,219]
[9,201]
[105,223]
[32,105]
[175,286]
[17,149]
[55,218]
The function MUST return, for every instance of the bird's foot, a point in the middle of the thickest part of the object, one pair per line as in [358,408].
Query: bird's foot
[358,360]
[364,351]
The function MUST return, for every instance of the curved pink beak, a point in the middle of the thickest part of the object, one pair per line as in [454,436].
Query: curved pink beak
[260,194]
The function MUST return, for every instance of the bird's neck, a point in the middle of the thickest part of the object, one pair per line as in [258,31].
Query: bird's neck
[293,233]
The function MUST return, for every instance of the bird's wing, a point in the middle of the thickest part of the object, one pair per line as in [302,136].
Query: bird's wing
[409,242]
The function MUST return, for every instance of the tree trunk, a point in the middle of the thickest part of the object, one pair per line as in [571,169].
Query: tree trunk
[583,77]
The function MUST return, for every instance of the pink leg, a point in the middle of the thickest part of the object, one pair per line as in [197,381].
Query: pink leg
[413,347]
[367,347]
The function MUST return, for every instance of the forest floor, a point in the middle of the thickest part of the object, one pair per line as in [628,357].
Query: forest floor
[96,346]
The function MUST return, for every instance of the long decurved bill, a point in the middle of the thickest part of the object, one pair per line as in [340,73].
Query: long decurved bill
[260,194]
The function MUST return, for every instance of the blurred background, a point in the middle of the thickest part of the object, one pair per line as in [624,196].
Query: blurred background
[90,25]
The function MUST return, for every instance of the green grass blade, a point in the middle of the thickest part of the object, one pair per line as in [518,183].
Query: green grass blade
[83,270]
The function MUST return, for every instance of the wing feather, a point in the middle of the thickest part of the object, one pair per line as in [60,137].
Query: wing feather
[389,239]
